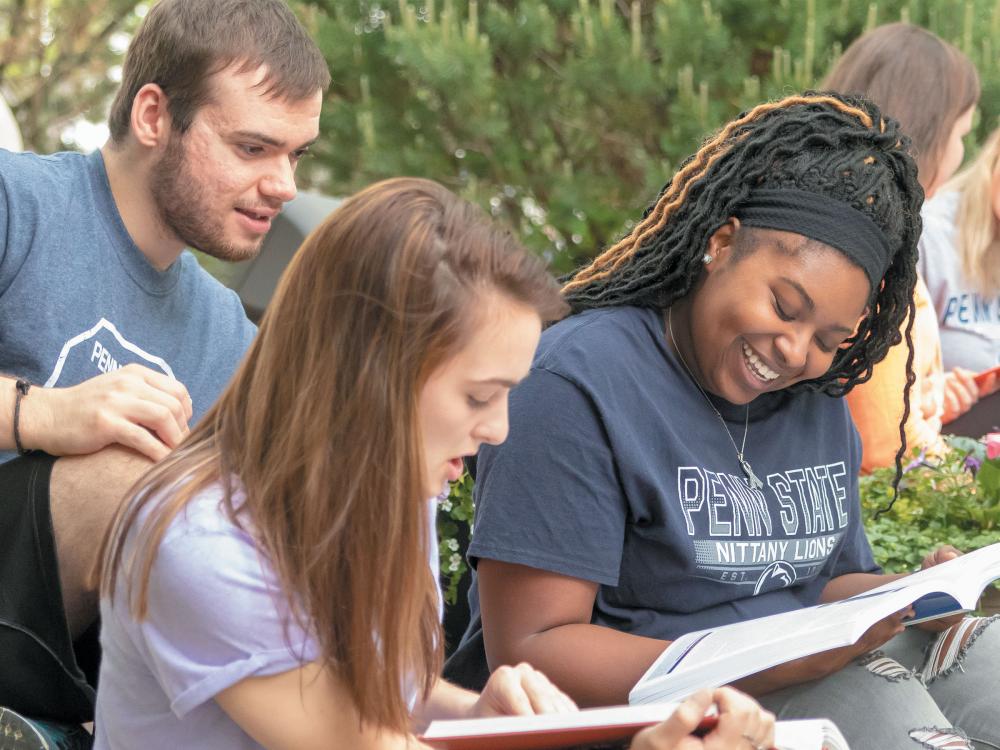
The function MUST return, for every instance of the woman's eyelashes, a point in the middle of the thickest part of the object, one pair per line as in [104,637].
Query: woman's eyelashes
[481,402]
[825,348]
[785,315]
[780,311]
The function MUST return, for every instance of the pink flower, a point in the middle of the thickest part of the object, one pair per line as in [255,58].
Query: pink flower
[993,445]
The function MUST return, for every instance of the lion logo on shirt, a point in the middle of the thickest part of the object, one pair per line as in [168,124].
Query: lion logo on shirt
[777,575]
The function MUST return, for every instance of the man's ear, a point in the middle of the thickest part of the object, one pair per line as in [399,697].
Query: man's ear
[720,245]
[150,118]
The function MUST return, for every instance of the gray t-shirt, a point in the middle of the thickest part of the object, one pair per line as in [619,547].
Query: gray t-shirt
[78,298]
[617,471]
[968,317]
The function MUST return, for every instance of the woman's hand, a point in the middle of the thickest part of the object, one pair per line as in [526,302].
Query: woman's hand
[742,725]
[883,631]
[960,393]
[825,663]
[938,556]
[944,553]
[989,385]
[520,690]
[875,637]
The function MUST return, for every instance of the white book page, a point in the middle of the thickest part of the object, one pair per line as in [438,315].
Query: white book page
[720,655]
[593,717]
[963,578]
[809,734]
[755,637]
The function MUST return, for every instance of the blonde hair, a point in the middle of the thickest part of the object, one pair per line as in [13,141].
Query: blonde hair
[319,428]
[976,240]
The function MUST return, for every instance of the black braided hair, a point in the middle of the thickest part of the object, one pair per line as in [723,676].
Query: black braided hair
[824,143]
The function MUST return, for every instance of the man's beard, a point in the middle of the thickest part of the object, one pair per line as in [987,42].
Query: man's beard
[183,207]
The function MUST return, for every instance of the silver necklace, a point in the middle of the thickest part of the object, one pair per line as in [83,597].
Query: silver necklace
[754,482]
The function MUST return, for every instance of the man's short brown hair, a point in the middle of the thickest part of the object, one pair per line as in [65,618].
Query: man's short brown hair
[182,43]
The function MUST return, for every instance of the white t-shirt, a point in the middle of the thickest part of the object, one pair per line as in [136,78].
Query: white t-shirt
[216,617]
[969,319]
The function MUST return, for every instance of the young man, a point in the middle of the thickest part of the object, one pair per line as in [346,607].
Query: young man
[112,339]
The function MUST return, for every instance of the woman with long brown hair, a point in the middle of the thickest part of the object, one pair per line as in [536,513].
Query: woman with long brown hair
[932,89]
[269,585]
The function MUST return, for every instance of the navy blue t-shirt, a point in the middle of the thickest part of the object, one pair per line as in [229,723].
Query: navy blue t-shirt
[617,471]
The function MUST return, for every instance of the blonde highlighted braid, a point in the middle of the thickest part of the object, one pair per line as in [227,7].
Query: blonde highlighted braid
[677,189]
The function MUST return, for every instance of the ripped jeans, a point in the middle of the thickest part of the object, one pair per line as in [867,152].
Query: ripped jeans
[921,690]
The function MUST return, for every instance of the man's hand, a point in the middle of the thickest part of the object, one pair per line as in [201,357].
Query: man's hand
[134,406]
[938,556]
[520,690]
[742,725]
[960,393]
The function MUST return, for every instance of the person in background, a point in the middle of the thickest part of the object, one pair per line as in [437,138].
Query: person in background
[960,262]
[932,89]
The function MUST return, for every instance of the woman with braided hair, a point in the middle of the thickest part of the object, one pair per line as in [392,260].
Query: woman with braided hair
[681,457]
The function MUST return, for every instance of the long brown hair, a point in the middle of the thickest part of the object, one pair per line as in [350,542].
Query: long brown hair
[319,430]
[915,77]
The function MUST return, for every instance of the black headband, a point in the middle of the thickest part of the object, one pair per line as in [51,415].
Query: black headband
[821,218]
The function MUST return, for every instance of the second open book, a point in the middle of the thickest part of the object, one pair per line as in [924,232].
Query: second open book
[720,656]
[600,725]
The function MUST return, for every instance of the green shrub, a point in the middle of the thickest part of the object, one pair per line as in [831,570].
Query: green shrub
[564,118]
[954,499]
[454,524]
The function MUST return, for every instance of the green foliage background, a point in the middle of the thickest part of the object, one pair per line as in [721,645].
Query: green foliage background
[951,499]
[564,118]
[59,59]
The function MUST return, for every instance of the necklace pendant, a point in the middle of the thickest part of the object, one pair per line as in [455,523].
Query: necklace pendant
[754,482]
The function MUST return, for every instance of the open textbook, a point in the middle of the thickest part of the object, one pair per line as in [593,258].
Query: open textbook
[600,725]
[719,656]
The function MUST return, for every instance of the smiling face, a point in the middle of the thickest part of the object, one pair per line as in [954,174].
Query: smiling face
[464,402]
[219,185]
[768,315]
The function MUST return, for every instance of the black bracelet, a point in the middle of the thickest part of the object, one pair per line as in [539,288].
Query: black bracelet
[21,388]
